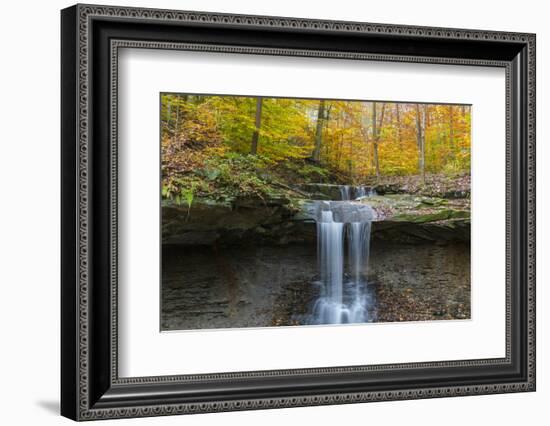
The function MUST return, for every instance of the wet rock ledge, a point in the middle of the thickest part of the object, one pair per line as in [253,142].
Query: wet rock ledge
[405,218]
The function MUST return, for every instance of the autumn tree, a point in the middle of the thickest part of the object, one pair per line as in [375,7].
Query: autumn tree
[398,125]
[358,141]
[376,130]
[421,138]
[257,125]
[316,155]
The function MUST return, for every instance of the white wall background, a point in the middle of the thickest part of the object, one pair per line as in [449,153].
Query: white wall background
[29,213]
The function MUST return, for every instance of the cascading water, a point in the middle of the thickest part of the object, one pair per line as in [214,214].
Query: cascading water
[359,245]
[330,253]
[344,295]
[348,193]
[345,192]
[360,191]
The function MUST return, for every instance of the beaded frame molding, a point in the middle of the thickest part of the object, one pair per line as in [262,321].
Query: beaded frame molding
[91,38]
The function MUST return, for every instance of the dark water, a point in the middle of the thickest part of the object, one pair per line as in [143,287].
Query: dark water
[233,287]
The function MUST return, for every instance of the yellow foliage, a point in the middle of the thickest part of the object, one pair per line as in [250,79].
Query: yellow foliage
[355,139]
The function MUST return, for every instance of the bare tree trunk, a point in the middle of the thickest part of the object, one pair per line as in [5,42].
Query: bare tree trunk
[168,115]
[316,154]
[438,142]
[375,141]
[176,127]
[365,128]
[258,123]
[376,135]
[424,127]
[350,160]
[399,136]
[324,147]
[339,152]
[428,116]
[451,129]
[421,139]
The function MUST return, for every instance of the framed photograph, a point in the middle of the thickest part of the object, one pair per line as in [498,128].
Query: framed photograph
[263,212]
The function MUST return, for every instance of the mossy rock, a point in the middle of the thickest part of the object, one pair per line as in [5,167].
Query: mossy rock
[431,217]
[432,202]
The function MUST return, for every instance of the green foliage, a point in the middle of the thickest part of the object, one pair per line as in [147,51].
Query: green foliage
[226,177]
[236,175]
[183,189]
[302,171]
[453,168]
[312,172]
[284,128]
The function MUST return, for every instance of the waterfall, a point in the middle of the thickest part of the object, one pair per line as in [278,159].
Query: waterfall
[348,193]
[345,192]
[359,244]
[344,296]
[360,191]
[330,249]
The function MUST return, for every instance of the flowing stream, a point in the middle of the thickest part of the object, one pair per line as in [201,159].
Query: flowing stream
[343,242]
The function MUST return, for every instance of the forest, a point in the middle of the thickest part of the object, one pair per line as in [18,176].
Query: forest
[225,146]
[280,211]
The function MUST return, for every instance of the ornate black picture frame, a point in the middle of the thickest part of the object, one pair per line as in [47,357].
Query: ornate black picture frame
[91,37]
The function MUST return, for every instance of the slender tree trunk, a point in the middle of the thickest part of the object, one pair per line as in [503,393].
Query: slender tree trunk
[316,154]
[427,116]
[376,135]
[365,128]
[350,160]
[168,115]
[339,145]
[438,145]
[375,141]
[257,125]
[176,126]
[424,127]
[451,130]
[420,139]
[325,148]
[339,154]
[399,136]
